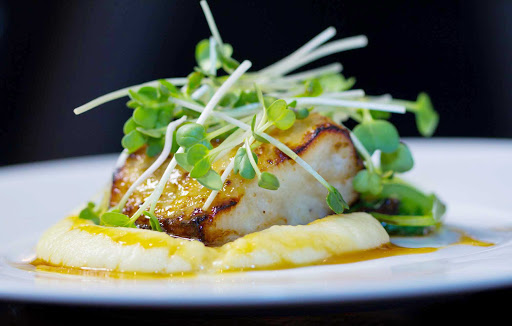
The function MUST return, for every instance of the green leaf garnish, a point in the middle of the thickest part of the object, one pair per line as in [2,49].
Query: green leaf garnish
[133,141]
[155,146]
[268,181]
[190,134]
[211,180]
[312,87]
[202,55]
[336,83]
[153,221]
[302,113]
[197,156]
[242,164]
[378,134]
[279,114]
[336,201]
[181,158]
[129,126]
[427,118]
[366,182]
[88,213]
[398,161]
[114,219]
[194,80]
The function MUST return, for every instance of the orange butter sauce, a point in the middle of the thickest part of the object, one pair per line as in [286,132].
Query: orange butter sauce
[387,250]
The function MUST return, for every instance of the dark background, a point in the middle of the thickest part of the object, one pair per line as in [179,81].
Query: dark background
[56,55]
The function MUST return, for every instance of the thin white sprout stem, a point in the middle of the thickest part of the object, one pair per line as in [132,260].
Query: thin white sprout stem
[213,57]
[347,103]
[159,161]
[155,195]
[309,46]
[244,66]
[285,149]
[211,22]
[223,177]
[122,93]
[200,92]
[345,94]
[345,44]
[329,69]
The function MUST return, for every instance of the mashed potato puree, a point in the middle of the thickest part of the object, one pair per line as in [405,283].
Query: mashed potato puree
[74,242]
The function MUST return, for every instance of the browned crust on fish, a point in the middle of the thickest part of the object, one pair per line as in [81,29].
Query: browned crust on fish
[183,216]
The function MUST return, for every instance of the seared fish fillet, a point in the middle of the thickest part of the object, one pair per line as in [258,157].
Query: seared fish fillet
[242,207]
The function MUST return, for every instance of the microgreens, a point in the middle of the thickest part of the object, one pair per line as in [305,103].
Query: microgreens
[398,161]
[170,118]
[89,213]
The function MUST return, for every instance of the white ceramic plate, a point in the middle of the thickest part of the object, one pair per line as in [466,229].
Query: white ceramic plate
[472,176]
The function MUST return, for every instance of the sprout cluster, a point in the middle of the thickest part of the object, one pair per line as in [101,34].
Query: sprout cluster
[220,100]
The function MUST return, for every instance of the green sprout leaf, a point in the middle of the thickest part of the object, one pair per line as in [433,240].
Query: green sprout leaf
[145,117]
[313,88]
[366,182]
[181,158]
[378,134]
[246,97]
[133,141]
[190,134]
[88,213]
[398,161]
[211,180]
[243,165]
[168,88]
[336,201]
[228,100]
[268,181]
[302,113]
[197,156]
[279,114]
[254,134]
[155,146]
[129,126]
[194,80]
[382,115]
[153,133]
[114,219]
[153,221]
[427,118]
[203,54]
[336,83]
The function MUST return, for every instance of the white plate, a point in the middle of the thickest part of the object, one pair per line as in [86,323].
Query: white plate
[472,176]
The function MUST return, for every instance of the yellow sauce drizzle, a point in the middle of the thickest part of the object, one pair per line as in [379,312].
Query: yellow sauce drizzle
[387,250]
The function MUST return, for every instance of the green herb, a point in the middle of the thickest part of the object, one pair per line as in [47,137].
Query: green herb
[336,201]
[312,87]
[279,115]
[89,213]
[211,180]
[133,141]
[156,104]
[114,218]
[243,164]
[268,181]
[398,161]
[153,221]
[378,134]
[367,182]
